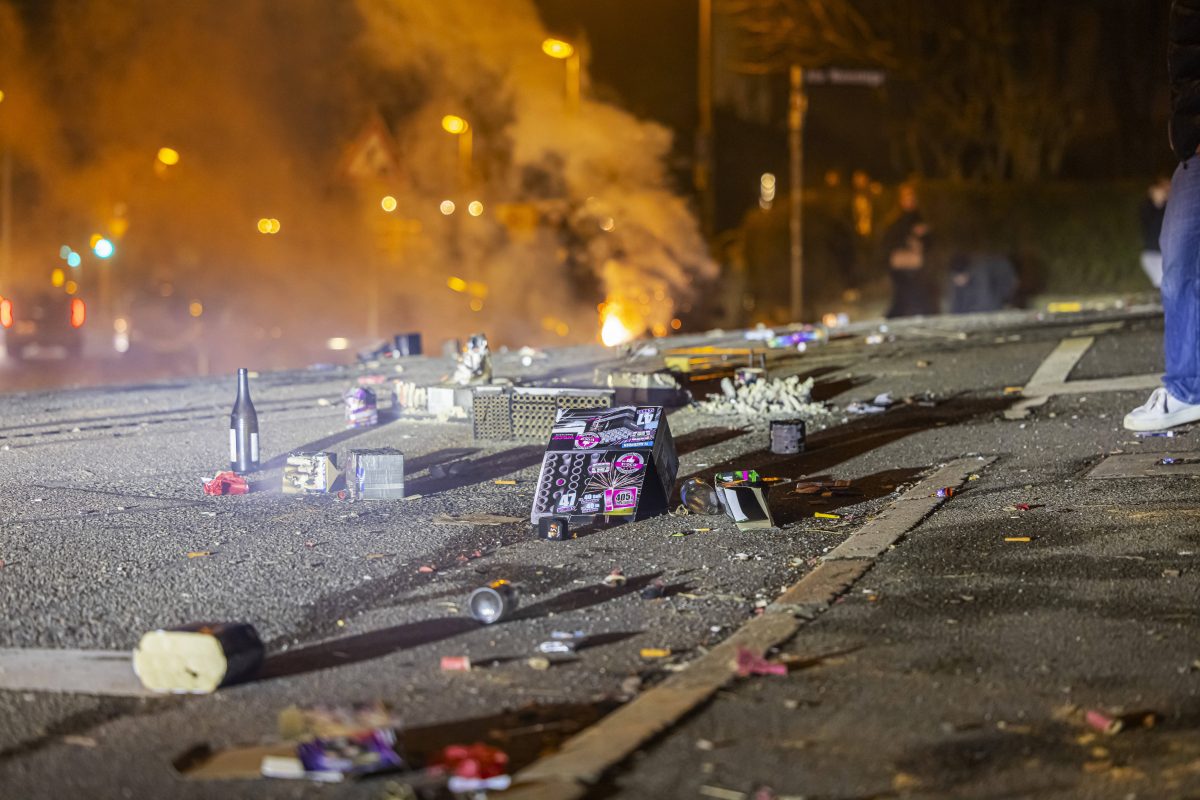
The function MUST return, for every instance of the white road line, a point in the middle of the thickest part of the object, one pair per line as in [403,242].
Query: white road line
[1050,378]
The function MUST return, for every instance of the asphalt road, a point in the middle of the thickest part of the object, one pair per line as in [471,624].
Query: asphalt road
[101,505]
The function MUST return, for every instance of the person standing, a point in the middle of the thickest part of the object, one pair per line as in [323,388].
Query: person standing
[905,245]
[1150,214]
[1177,401]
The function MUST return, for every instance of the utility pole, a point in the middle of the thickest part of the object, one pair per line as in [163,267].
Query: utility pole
[703,170]
[797,105]
[6,217]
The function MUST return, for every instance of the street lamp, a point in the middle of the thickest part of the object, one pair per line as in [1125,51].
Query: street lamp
[457,126]
[566,52]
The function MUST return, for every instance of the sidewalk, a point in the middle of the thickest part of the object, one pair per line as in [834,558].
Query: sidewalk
[962,664]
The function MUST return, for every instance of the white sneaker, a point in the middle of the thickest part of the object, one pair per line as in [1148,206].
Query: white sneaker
[1161,411]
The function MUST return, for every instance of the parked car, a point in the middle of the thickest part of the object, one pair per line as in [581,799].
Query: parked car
[42,323]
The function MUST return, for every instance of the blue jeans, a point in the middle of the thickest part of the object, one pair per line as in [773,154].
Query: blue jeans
[1180,242]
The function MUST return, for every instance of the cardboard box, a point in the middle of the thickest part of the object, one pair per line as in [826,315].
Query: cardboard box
[606,465]
[308,473]
[376,474]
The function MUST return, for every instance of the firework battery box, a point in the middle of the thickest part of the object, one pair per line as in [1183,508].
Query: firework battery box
[375,474]
[605,466]
[308,473]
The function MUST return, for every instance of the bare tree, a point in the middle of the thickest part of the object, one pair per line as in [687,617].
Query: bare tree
[980,91]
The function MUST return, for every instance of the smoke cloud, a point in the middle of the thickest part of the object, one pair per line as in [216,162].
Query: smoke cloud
[275,110]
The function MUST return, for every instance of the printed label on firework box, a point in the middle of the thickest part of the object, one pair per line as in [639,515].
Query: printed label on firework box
[606,465]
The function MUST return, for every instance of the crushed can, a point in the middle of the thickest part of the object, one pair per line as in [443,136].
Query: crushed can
[493,602]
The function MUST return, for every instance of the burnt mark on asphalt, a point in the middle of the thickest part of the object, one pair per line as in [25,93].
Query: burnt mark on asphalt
[787,506]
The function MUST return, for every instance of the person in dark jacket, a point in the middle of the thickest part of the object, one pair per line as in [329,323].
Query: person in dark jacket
[905,245]
[1177,402]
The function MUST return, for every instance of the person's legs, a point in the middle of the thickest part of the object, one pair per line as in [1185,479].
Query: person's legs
[1181,284]
[1179,402]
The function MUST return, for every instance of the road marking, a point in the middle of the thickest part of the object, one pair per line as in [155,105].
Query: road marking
[1050,378]
[583,759]
[99,672]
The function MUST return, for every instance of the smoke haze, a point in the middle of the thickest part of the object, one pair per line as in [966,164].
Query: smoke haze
[270,107]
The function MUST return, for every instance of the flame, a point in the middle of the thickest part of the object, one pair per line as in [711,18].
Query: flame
[613,330]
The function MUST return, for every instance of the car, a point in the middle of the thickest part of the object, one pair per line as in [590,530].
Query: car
[42,322]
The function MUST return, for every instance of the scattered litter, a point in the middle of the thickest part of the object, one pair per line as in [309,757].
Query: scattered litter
[1014,389]
[479,786]
[503,482]
[699,498]
[475,362]
[556,646]
[426,569]
[881,403]
[538,663]
[749,663]
[719,793]
[493,602]
[654,591]
[554,529]
[334,759]
[1155,434]
[615,578]
[806,335]
[765,397]
[376,474]
[1172,573]
[476,761]
[79,741]
[308,473]
[743,496]
[567,635]
[456,663]
[1115,723]
[788,436]
[197,658]
[473,519]
[1018,538]
[361,407]
[226,483]
[922,364]
[199,553]
[826,515]
[946,491]
[655,652]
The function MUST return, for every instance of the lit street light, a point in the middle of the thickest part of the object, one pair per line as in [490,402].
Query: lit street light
[566,52]
[457,126]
